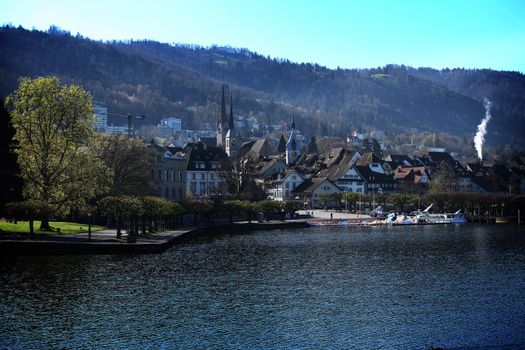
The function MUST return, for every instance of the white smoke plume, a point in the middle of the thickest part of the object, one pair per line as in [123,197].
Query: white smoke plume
[482,129]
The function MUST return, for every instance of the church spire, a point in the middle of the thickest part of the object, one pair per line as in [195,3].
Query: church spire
[293,148]
[230,121]
[281,147]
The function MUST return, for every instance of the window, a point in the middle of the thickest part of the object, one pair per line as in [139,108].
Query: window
[172,175]
[160,175]
[203,187]
[180,176]
[173,192]
[166,175]
[211,176]
[203,176]
[287,185]
[193,176]
[180,193]
[166,192]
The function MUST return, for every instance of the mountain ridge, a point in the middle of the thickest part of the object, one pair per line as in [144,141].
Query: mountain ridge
[159,80]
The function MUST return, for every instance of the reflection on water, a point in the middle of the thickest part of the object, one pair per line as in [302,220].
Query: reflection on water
[401,287]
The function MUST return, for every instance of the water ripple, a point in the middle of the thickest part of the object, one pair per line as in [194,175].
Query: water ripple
[369,288]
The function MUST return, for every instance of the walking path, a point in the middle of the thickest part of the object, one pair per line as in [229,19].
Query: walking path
[105,241]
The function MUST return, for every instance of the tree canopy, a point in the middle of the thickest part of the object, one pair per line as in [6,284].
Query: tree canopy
[128,163]
[54,125]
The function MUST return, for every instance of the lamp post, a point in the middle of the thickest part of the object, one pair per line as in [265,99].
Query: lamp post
[89,226]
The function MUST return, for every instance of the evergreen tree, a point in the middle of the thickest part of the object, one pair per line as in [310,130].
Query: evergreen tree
[11,188]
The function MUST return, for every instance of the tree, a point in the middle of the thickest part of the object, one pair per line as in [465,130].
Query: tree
[54,124]
[269,208]
[351,198]
[119,208]
[11,189]
[26,210]
[154,209]
[290,207]
[232,207]
[403,201]
[237,174]
[444,180]
[128,162]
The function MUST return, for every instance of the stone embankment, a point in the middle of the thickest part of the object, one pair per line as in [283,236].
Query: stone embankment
[105,242]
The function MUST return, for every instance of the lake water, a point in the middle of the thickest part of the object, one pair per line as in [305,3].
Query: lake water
[341,288]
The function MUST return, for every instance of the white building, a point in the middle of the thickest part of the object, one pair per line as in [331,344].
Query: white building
[280,189]
[169,126]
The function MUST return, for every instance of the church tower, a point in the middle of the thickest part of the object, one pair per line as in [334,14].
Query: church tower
[222,123]
[293,148]
[232,136]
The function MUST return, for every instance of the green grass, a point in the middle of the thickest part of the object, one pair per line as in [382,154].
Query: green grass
[22,227]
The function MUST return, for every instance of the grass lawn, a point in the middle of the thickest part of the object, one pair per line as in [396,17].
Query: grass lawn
[65,227]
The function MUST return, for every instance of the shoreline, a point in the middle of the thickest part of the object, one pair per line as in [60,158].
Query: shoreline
[108,244]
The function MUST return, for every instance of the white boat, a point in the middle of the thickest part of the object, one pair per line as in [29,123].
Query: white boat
[424,217]
[441,218]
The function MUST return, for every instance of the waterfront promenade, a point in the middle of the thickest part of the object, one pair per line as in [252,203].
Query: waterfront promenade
[332,214]
[105,241]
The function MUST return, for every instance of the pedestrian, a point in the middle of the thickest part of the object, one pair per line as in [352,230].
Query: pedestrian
[331,215]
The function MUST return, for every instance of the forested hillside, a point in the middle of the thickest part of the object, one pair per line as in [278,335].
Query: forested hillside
[160,80]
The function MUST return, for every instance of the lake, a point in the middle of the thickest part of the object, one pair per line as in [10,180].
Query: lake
[413,287]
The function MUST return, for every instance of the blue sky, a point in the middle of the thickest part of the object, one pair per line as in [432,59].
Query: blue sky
[346,33]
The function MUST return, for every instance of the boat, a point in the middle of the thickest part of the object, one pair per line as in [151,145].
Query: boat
[425,217]
[441,218]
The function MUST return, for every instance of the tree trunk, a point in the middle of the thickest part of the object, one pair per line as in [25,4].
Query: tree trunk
[31,229]
[119,234]
[44,224]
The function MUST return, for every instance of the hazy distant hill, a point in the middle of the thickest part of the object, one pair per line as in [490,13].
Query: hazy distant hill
[159,80]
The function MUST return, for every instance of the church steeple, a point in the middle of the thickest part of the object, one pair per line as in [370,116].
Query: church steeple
[281,148]
[230,121]
[233,139]
[293,148]
[222,122]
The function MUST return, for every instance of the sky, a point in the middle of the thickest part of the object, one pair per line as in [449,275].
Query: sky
[332,33]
